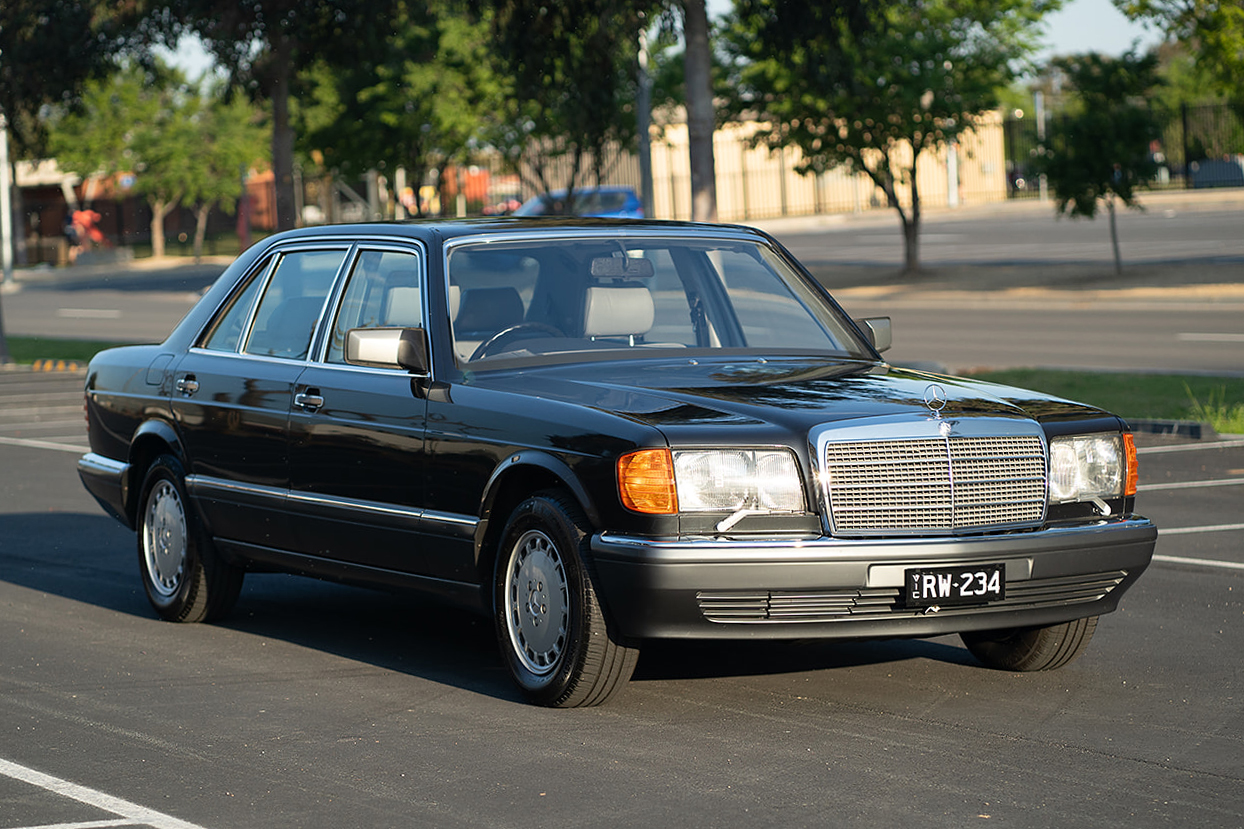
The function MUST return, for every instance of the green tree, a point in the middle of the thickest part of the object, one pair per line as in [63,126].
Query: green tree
[572,68]
[144,121]
[415,102]
[232,138]
[874,85]
[1100,152]
[48,50]
[263,44]
[1213,29]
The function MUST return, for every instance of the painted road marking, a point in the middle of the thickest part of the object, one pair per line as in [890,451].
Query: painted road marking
[1190,447]
[1215,528]
[88,313]
[44,444]
[1201,562]
[131,812]
[1192,484]
[1212,338]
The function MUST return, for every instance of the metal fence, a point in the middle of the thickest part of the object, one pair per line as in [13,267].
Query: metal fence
[1199,146]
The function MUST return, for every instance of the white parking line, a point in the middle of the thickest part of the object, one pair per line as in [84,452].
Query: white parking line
[1192,484]
[44,444]
[1211,338]
[88,313]
[1213,528]
[131,812]
[1201,562]
[82,824]
[1190,447]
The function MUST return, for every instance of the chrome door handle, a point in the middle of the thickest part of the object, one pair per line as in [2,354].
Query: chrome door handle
[308,400]
[188,385]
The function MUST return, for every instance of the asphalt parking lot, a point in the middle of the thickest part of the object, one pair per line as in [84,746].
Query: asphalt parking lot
[320,705]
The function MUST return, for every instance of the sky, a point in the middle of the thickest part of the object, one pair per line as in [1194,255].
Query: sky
[1093,26]
[1081,26]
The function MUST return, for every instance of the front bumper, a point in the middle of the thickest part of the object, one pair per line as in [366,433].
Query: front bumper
[849,588]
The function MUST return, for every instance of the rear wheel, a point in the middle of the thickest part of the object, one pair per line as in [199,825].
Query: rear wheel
[1031,649]
[184,577]
[550,625]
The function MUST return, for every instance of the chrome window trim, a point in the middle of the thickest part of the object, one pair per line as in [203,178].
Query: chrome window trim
[278,253]
[318,353]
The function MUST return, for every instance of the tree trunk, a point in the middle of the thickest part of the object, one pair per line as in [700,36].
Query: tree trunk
[911,229]
[159,209]
[1114,236]
[200,229]
[700,115]
[282,133]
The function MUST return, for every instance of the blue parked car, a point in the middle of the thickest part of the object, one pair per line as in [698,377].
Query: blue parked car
[612,202]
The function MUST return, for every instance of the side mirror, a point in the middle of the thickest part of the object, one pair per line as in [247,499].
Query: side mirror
[388,348]
[878,331]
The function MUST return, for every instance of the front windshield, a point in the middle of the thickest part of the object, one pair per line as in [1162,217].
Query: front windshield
[576,296]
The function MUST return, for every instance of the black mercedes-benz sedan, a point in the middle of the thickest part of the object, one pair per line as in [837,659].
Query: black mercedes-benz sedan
[599,433]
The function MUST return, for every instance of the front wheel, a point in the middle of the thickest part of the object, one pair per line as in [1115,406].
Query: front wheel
[1031,649]
[549,621]
[184,577]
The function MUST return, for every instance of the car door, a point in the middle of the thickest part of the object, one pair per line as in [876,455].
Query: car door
[357,463]
[233,392]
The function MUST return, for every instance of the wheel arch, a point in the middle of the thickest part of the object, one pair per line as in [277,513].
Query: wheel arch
[152,439]
[521,475]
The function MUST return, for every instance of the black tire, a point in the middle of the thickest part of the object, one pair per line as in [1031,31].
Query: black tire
[1031,649]
[550,625]
[184,577]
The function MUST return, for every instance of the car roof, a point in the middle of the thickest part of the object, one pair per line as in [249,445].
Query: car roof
[441,230]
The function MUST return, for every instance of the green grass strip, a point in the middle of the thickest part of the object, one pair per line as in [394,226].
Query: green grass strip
[26,350]
[1218,401]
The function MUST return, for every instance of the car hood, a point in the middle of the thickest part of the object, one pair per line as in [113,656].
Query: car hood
[791,394]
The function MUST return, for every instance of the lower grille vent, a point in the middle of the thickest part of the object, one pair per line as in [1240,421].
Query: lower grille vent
[753,607]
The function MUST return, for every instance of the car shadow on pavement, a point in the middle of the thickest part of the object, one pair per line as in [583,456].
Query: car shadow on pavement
[91,559]
[716,659]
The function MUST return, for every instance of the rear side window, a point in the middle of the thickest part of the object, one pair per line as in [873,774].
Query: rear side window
[291,304]
[226,334]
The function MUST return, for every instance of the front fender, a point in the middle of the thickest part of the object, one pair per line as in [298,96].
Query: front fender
[549,466]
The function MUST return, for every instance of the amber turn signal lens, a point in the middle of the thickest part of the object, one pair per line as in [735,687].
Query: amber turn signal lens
[1133,470]
[646,481]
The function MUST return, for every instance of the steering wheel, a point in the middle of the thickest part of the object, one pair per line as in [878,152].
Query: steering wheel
[506,335]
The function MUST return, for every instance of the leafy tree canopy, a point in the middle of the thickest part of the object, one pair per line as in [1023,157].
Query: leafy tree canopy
[1214,30]
[262,44]
[151,122]
[416,101]
[49,48]
[873,85]
[1101,152]
[572,67]
[1102,148]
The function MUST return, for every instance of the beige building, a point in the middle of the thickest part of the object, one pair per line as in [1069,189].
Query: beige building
[754,183]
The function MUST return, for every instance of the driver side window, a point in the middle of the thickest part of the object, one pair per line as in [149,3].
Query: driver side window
[385,291]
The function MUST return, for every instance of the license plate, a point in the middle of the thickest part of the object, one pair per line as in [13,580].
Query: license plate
[978,584]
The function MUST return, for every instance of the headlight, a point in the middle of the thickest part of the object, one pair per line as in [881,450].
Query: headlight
[1088,467]
[710,480]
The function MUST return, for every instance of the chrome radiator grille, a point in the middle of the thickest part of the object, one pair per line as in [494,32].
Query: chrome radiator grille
[935,484]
